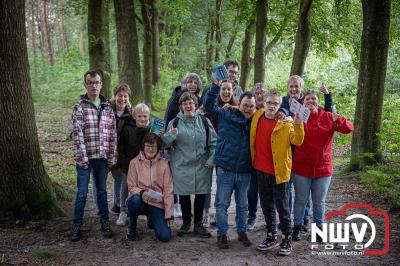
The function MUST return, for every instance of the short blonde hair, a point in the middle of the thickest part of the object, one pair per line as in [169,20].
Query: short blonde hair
[296,78]
[141,108]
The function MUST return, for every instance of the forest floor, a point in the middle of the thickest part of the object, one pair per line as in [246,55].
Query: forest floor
[45,242]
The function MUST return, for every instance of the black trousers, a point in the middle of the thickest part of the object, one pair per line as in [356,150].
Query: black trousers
[186,206]
[274,198]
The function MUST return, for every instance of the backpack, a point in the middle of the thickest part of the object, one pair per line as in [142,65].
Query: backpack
[203,119]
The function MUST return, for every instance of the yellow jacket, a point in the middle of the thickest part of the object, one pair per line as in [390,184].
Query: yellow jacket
[284,134]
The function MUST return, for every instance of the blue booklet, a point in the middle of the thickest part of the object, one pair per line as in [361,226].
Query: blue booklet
[220,72]
[158,126]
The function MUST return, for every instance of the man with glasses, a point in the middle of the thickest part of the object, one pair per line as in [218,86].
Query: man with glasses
[95,139]
[233,161]
[270,144]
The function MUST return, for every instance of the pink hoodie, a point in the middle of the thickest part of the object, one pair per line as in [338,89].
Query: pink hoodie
[144,174]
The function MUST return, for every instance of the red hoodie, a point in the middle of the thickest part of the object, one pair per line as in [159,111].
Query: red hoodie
[314,157]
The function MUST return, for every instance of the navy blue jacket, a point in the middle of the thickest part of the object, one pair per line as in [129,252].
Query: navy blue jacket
[233,142]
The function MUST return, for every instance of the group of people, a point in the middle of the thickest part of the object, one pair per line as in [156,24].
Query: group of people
[257,146]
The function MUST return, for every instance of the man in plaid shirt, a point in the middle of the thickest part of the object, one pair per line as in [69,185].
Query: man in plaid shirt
[95,142]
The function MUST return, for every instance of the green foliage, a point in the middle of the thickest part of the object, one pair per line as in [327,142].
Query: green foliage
[44,254]
[383,181]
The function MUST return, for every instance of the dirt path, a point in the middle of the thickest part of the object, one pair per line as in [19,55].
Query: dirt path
[46,242]
[23,244]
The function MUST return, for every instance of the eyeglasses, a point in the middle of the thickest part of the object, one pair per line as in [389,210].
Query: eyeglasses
[188,103]
[276,104]
[149,146]
[245,106]
[93,84]
[233,72]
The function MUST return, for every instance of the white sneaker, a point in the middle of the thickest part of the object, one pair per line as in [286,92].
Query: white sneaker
[206,220]
[177,210]
[122,219]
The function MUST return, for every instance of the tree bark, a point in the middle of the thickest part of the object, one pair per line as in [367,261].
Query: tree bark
[246,49]
[156,43]
[81,33]
[47,35]
[218,34]
[147,52]
[371,83]
[210,40]
[128,48]
[99,42]
[25,188]
[261,32]
[64,38]
[303,38]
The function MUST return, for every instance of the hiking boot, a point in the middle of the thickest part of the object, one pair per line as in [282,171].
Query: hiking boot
[105,228]
[131,234]
[222,242]
[184,228]
[116,209]
[296,235]
[198,228]
[75,232]
[122,219]
[251,223]
[304,227]
[286,245]
[149,224]
[206,220]
[269,243]
[244,239]
[177,210]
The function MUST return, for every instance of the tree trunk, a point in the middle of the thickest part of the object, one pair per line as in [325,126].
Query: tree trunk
[41,30]
[147,52]
[261,32]
[25,188]
[218,35]
[210,40]
[47,35]
[81,34]
[64,37]
[128,48]
[156,43]
[232,39]
[246,49]
[99,42]
[303,38]
[278,35]
[371,83]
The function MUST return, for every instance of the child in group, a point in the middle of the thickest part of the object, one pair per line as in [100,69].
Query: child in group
[270,145]
[130,140]
[150,189]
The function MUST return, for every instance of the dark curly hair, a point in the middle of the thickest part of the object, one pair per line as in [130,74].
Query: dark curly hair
[151,138]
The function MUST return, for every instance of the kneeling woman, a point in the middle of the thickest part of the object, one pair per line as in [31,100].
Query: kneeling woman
[150,190]
[312,165]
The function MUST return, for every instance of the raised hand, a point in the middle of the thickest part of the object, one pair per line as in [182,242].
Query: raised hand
[323,89]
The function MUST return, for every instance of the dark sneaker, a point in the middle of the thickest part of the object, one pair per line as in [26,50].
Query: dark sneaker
[199,228]
[251,223]
[185,228]
[116,209]
[285,246]
[269,243]
[150,225]
[222,242]
[304,227]
[296,235]
[131,234]
[75,232]
[105,228]
[244,239]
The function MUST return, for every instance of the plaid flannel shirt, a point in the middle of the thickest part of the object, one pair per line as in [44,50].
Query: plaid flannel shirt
[94,131]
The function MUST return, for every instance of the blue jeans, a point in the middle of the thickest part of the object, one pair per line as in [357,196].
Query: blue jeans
[156,217]
[117,178]
[252,195]
[318,188]
[100,171]
[307,210]
[227,182]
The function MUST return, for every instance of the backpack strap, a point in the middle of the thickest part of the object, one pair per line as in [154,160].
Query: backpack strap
[175,122]
[206,127]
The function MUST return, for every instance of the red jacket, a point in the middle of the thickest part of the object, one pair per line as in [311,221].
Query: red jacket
[314,157]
